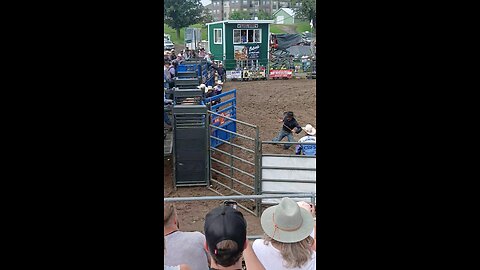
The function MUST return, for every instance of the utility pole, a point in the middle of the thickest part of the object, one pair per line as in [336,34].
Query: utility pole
[222,9]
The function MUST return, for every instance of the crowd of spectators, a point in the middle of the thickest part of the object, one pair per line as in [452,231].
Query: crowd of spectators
[289,242]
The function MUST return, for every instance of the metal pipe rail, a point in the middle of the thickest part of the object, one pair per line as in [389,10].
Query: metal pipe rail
[280,142]
[236,120]
[312,196]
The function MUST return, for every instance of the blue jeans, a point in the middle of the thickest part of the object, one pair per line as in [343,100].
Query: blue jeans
[282,135]
[166,120]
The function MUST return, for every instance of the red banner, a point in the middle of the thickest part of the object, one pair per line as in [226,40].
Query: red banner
[281,73]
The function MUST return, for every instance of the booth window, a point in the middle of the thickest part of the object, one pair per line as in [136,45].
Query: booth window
[247,36]
[257,36]
[236,36]
[217,36]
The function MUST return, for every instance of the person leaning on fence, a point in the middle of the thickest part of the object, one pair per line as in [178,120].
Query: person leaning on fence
[201,53]
[183,247]
[176,267]
[226,240]
[166,119]
[287,243]
[170,74]
[307,149]
[289,126]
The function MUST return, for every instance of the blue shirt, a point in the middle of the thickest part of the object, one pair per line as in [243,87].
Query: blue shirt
[309,149]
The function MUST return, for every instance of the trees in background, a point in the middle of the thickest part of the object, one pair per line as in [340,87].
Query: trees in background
[308,10]
[179,14]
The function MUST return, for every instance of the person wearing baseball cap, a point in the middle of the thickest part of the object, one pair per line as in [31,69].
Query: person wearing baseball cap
[307,149]
[226,240]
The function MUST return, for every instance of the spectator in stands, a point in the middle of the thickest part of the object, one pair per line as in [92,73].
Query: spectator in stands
[177,267]
[183,247]
[201,53]
[289,126]
[287,243]
[311,209]
[304,63]
[166,119]
[173,56]
[226,240]
[169,73]
[165,68]
[188,54]
[308,150]
[221,72]
[208,58]
[244,36]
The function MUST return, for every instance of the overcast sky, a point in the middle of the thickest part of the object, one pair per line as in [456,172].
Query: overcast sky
[206,2]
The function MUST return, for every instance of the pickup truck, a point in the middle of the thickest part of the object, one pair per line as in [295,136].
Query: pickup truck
[167,45]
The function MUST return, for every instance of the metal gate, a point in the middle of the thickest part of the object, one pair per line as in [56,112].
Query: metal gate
[234,165]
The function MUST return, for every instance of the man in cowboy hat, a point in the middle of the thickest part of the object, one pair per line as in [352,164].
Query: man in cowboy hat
[209,92]
[288,243]
[289,125]
[218,87]
[221,72]
[307,149]
[202,87]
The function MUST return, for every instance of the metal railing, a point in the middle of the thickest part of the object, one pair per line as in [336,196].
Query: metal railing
[273,167]
[312,197]
[229,165]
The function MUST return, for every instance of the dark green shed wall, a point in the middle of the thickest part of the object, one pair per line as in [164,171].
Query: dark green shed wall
[215,49]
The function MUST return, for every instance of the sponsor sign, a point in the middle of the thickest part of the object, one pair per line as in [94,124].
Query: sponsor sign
[247,25]
[254,52]
[241,52]
[281,73]
[233,74]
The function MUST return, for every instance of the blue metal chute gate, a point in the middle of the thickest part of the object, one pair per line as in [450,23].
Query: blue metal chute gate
[234,155]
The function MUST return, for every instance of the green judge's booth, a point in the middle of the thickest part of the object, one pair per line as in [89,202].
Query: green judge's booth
[240,44]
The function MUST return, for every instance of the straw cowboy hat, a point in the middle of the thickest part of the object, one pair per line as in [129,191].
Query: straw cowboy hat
[287,222]
[309,130]
[219,82]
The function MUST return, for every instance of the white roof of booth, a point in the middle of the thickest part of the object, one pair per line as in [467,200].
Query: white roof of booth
[243,21]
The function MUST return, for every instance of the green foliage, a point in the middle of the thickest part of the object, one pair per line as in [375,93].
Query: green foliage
[180,40]
[307,11]
[240,15]
[263,15]
[299,27]
[179,14]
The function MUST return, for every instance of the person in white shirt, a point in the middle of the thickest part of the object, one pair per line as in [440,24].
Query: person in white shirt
[176,267]
[307,149]
[287,244]
[182,247]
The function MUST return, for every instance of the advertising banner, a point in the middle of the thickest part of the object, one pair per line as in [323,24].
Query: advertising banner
[233,74]
[254,52]
[241,52]
[281,73]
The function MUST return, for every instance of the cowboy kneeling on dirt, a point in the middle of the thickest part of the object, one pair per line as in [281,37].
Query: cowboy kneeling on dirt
[289,125]
[307,149]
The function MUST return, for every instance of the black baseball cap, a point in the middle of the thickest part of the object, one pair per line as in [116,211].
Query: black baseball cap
[225,223]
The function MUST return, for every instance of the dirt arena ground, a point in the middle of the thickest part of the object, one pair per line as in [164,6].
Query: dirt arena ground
[259,103]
